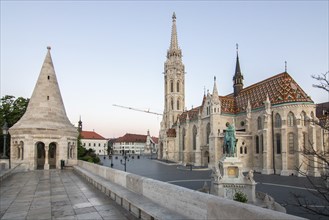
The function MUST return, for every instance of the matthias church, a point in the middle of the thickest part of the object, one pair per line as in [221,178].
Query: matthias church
[273,120]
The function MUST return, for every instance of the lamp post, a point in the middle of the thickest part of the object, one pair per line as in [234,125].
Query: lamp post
[4,132]
[124,160]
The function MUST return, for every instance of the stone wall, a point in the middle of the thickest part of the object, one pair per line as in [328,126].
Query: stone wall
[190,203]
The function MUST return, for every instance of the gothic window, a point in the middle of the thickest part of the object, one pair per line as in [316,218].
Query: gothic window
[262,143]
[241,150]
[290,119]
[68,151]
[278,143]
[172,103]
[194,137]
[277,123]
[18,152]
[177,86]
[302,118]
[178,104]
[171,86]
[183,137]
[257,144]
[291,143]
[259,123]
[208,132]
[245,150]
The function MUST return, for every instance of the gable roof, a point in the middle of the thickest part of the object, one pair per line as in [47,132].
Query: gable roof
[139,138]
[91,135]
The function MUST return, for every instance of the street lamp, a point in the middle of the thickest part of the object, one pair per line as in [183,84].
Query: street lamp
[4,132]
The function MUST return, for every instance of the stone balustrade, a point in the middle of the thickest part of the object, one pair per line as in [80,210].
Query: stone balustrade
[152,199]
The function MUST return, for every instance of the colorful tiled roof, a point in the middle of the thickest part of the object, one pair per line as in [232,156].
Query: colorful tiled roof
[91,135]
[281,88]
[171,132]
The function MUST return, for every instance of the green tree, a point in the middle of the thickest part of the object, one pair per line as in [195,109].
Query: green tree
[11,110]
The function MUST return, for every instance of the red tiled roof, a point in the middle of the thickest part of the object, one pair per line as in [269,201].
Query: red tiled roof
[132,138]
[91,135]
[171,132]
[155,139]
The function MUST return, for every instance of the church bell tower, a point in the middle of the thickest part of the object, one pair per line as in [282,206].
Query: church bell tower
[174,80]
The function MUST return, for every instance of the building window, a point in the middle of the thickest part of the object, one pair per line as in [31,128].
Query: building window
[257,144]
[177,104]
[291,143]
[278,143]
[245,150]
[89,144]
[262,143]
[277,123]
[177,86]
[194,137]
[241,150]
[172,103]
[94,144]
[99,144]
[171,86]
[208,132]
[259,123]
[290,119]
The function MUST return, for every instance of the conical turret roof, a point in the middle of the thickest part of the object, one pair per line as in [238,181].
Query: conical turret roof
[46,109]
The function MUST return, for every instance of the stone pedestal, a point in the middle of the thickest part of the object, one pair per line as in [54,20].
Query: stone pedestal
[229,179]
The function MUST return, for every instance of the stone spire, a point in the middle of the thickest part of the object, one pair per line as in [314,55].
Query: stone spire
[174,50]
[46,110]
[238,77]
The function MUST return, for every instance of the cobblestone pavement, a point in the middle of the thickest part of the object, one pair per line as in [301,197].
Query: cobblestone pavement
[55,194]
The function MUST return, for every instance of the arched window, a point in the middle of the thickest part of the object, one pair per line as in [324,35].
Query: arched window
[277,123]
[178,104]
[52,150]
[241,151]
[257,144]
[172,103]
[183,138]
[259,123]
[195,131]
[177,86]
[171,86]
[290,119]
[291,143]
[278,143]
[245,150]
[208,132]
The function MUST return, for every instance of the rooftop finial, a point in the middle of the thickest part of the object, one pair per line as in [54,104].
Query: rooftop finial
[48,48]
[285,66]
[174,17]
[215,78]
[237,48]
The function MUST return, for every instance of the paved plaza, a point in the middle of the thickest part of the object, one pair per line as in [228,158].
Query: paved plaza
[55,194]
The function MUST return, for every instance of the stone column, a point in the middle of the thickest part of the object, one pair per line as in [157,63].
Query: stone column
[46,166]
[284,153]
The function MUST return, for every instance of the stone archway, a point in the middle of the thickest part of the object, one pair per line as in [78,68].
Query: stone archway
[41,155]
[52,155]
[206,158]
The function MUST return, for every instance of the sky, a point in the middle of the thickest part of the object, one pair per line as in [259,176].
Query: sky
[113,52]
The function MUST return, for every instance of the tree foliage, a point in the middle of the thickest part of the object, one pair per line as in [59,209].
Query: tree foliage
[11,110]
[317,159]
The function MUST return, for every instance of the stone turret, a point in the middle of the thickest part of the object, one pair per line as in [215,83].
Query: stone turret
[44,135]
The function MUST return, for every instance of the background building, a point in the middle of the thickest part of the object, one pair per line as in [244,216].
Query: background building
[93,140]
[135,144]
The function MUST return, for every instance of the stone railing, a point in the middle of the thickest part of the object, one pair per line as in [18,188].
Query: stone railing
[133,191]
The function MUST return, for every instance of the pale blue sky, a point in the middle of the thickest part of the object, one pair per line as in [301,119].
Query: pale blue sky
[113,52]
